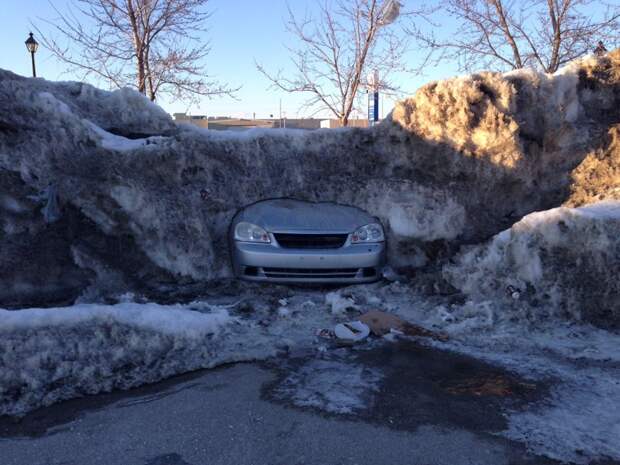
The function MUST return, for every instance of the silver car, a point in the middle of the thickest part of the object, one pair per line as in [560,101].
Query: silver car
[284,240]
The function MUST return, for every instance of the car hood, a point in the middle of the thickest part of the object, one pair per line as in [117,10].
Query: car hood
[287,215]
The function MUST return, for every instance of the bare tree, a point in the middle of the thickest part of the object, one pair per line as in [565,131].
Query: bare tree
[150,44]
[337,49]
[512,34]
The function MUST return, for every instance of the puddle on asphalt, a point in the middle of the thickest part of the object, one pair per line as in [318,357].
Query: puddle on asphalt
[55,418]
[403,385]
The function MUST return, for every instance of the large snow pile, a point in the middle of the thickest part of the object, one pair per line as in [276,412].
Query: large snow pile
[144,204]
[558,263]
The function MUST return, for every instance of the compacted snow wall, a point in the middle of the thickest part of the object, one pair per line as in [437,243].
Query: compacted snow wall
[560,263]
[103,193]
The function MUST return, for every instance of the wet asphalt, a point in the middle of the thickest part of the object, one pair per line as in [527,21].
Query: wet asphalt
[431,407]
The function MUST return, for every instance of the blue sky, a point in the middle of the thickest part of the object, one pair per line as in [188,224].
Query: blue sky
[240,32]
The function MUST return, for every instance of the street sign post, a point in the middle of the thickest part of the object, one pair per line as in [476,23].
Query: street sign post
[373,107]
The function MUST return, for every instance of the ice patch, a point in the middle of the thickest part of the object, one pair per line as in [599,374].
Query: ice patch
[335,386]
[579,423]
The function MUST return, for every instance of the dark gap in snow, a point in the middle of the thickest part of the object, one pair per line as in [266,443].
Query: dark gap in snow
[7,127]
[131,135]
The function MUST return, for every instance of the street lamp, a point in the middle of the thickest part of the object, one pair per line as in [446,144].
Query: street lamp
[32,46]
[387,15]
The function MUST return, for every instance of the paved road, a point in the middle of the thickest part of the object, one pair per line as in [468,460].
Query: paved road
[421,411]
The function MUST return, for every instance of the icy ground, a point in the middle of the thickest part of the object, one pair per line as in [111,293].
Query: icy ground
[331,383]
[51,354]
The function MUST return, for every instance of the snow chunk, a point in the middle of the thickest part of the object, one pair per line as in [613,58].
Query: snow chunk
[560,262]
[172,320]
[339,304]
[353,331]
[111,141]
[49,102]
[124,109]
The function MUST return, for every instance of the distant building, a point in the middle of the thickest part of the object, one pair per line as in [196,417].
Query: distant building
[240,124]
[335,123]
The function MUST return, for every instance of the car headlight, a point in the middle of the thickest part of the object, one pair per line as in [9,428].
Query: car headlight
[369,233]
[248,232]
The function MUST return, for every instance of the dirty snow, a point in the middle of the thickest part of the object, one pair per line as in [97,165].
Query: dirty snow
[557,263]
[47,355]
[52,354]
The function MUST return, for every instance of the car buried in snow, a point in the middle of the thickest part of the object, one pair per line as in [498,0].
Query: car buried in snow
[294,241]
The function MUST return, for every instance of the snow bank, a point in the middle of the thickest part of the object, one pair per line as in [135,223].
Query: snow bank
[562,262]
[172,320]
[486,116]
[51,354]
[458,162]
[124,111]
[48,355]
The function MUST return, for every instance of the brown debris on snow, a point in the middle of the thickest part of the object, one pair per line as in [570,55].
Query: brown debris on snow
[381,323]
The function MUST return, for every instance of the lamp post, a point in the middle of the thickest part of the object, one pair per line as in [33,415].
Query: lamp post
[388,14]
[32,46]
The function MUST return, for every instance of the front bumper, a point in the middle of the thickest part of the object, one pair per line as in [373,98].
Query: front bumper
[350,264]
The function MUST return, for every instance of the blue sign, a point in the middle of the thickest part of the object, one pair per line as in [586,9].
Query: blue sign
[373,107]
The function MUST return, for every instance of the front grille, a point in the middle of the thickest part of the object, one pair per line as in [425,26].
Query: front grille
[324,273]
[311,241]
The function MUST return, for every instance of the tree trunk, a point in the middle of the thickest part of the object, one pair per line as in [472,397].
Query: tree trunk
[149,76]
[138,47]
[557,38]
[140,81]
